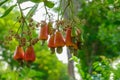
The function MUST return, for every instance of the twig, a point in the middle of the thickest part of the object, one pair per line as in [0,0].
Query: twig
[20,10]
[22,16]
[27,8]
[46,11]
[59,7]
[66,8]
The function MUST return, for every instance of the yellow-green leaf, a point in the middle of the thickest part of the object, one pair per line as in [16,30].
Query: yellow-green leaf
[8,11]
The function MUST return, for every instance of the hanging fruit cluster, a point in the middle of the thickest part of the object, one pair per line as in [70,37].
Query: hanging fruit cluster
[63,33]
[59,36]
[26,41]
[28,55]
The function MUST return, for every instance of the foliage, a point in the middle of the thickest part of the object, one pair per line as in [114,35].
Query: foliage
[100,22]
[116,73]
[102,69]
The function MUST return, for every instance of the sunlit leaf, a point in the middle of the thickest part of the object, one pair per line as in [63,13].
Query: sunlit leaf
[8,11]
[33,73]
[96,64]
[74,58]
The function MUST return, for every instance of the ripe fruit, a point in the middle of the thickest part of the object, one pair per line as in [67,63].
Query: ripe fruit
[43,32]
[59,41]
[51,44]
[49,27]
[68,39]
[19,53]
[29,54]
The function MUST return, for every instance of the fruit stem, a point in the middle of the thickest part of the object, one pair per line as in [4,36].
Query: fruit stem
[60,5]
[43,42]
[22,18]
[20,10]
[46,12]
[66,8]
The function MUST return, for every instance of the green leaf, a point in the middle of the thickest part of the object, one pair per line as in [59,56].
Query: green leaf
[110,1]
[8,11]
[33,73]
[74,58]
[98,68]
[21,1]
[73,34]
[1,3]
[96,64]
[49,4]
[37,1]
[32,11]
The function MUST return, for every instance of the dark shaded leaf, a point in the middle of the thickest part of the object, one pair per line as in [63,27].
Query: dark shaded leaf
[1,3]
[110,1]
[21,1]
[73,32]
[8,11]
[37,1]
[49,4]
